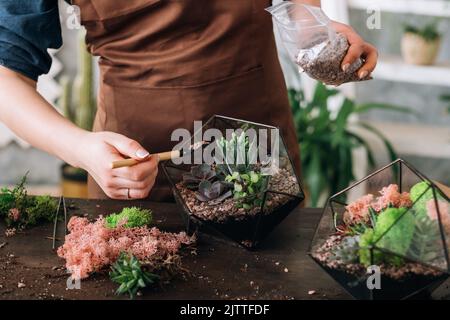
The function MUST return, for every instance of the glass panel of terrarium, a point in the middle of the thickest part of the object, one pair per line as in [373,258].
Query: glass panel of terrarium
[370,186]
[325,229]
[409,177]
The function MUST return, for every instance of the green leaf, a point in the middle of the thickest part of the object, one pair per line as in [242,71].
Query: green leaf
[391,151]
[381,106]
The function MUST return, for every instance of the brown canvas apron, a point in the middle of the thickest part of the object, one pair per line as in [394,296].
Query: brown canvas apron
[166,63]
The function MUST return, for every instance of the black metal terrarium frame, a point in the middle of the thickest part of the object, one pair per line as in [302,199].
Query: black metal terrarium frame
[250,231]
[392,289]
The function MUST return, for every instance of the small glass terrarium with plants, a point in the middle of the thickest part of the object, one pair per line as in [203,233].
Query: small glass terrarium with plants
[387,236]
[243,185]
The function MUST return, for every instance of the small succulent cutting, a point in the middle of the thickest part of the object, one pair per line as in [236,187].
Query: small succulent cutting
[129,274]
[197,175]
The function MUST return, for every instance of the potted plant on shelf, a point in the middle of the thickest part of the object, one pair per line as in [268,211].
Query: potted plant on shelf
[399,232]
[78,104]
[421,45]
[327,140]
[238,194]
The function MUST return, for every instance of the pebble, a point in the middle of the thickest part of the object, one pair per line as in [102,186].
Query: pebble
[2,244]
[21,285]
[286,270]
[311,292]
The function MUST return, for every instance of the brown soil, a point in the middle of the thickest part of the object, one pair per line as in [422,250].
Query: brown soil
[283,181]
[326,65]
[324,255]
[218,268]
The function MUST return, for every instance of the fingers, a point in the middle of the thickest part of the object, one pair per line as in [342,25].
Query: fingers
[132,183]
[354,52]
[126,146]
[370,56]
[365,51]
[138,172]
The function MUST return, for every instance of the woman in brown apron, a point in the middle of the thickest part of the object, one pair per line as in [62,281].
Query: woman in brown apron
[165,64]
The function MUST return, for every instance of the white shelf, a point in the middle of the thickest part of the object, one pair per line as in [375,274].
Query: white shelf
[415,139]
[393,68]
[438,8]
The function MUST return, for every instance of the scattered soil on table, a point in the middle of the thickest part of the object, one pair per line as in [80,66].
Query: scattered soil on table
[325,64]
[324,255]
[283,181]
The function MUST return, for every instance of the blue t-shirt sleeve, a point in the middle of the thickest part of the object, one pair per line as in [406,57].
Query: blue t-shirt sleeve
[27,29]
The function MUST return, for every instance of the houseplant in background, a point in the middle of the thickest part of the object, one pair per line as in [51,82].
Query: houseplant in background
[421,45]
[327,141]
[78,105]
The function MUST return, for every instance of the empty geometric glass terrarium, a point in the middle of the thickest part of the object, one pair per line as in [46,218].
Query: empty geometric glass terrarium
[387,236]
[240,183]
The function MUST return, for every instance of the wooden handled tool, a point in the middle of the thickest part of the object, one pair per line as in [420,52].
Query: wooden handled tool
[163,156]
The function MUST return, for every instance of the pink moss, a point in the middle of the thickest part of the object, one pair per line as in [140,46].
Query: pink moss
[91,247]
[14,214]
[391,196]
[358,211]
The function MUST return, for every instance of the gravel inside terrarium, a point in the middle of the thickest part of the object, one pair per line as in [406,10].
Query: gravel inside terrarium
[283,181]
[326,66]
[324,255]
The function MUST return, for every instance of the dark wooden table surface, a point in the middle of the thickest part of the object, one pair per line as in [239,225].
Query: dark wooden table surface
[220,269]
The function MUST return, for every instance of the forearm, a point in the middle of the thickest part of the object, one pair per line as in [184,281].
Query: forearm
[28,115]
[310,2]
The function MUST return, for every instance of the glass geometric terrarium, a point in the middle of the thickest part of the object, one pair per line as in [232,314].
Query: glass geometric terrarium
[386,236]
[241,183]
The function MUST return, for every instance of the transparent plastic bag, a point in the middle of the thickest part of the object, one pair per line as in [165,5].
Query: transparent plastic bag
[313,44]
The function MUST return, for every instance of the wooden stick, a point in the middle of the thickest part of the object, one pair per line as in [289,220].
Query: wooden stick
[163,156]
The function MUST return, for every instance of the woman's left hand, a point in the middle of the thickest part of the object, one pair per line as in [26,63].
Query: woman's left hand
[358,49]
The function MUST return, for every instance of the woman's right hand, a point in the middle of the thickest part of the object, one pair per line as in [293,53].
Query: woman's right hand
[97,151]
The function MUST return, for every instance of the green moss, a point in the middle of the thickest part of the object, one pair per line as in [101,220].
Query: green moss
[40,209]
[33,210]
[134,216]
[421,188]
[394,232]
[420,194]
[366,244]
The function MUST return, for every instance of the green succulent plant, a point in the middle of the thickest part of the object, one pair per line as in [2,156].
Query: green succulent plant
[129,274]
[134,217]
[248,188]
[427,245]
[347,251]
[237,154]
